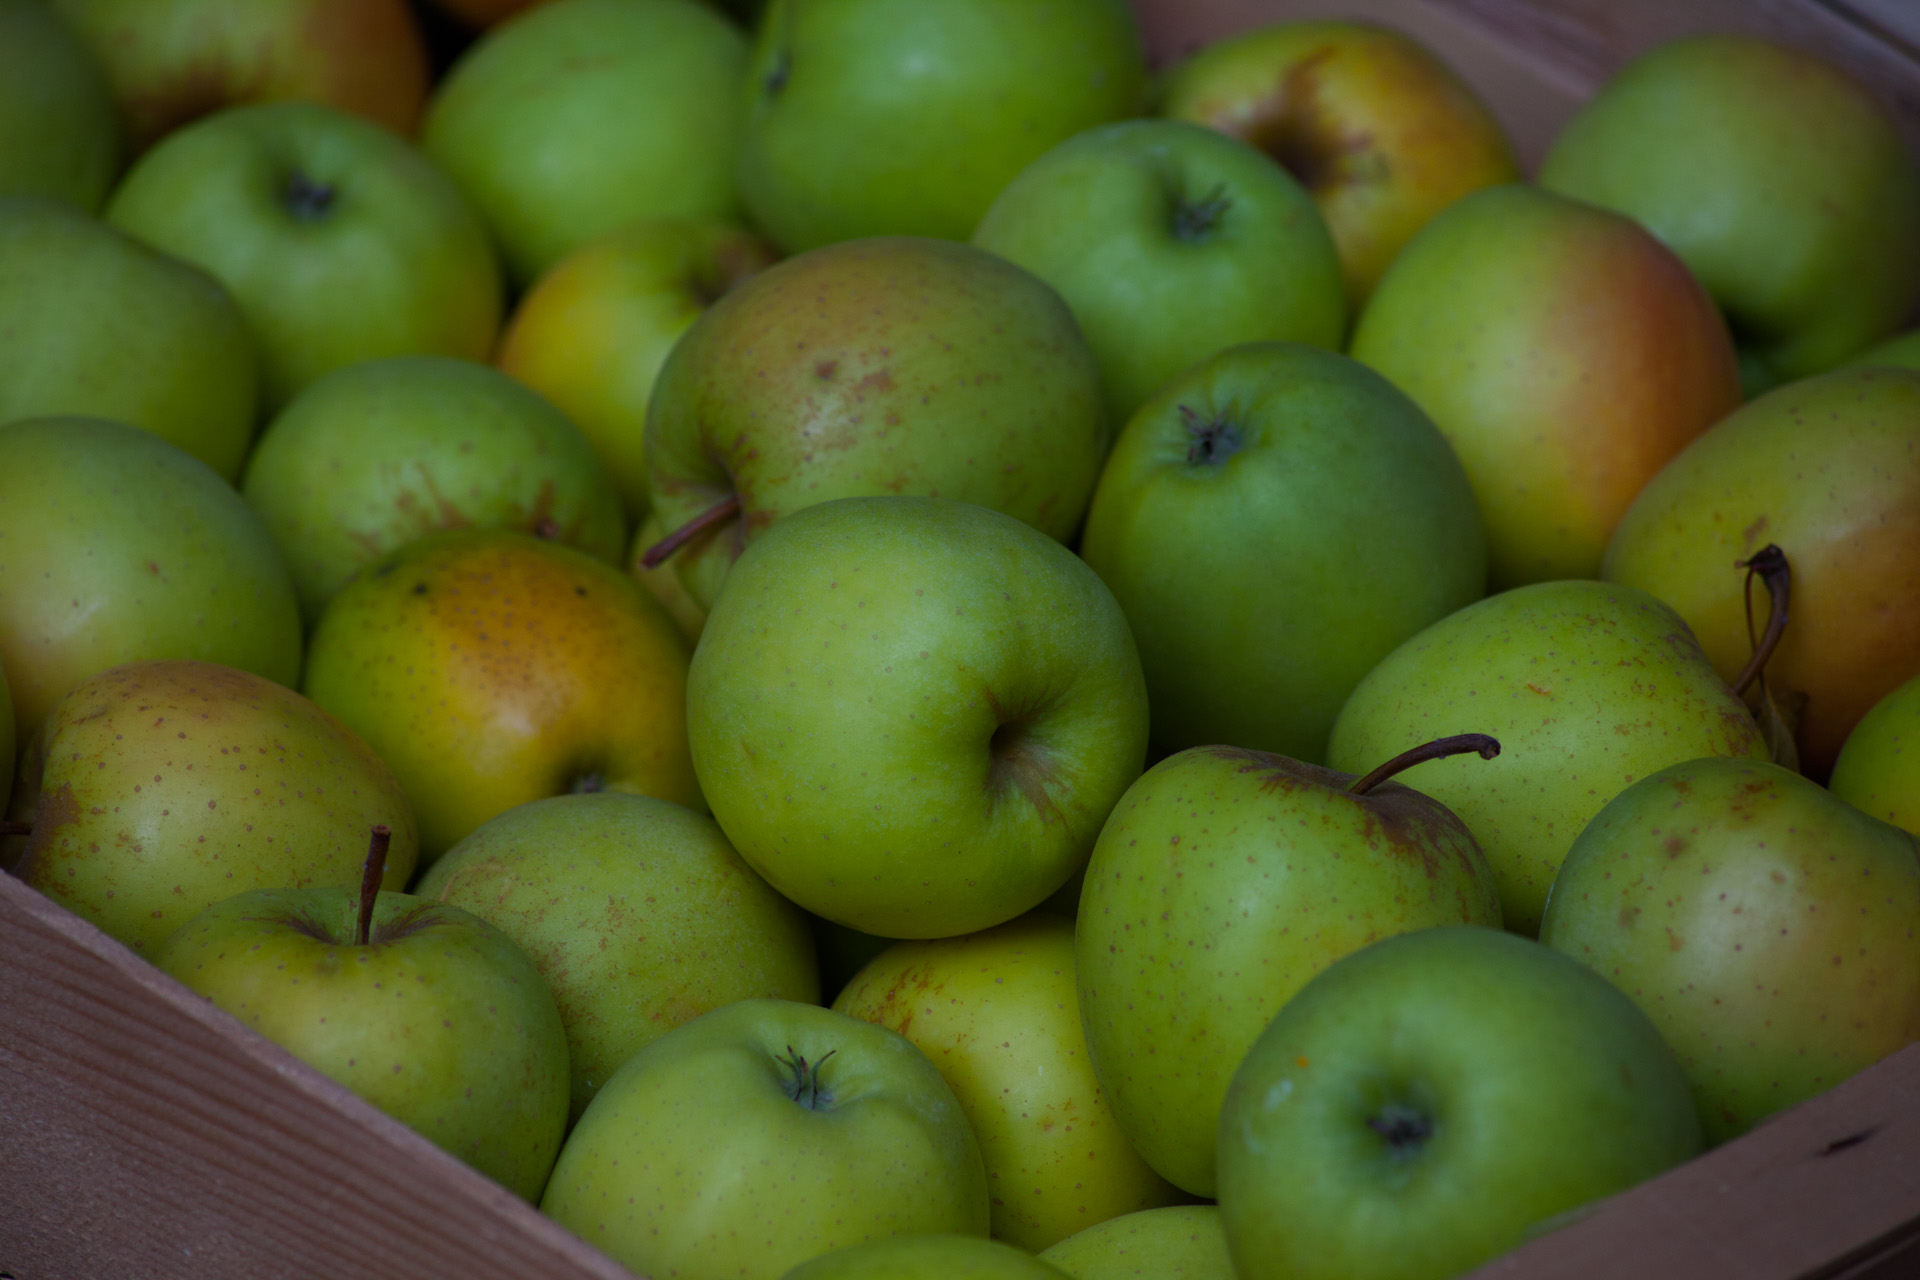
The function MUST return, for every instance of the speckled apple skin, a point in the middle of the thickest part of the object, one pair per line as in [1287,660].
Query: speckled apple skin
[1770,931]
[926,1258]
[1178,1242]
[1878,771]
[1588,686]
[1223,881]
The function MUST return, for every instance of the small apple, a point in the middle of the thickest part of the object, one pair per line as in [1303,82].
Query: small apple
[1878,771]
[1180,1241]
[59,132]
[926,1257]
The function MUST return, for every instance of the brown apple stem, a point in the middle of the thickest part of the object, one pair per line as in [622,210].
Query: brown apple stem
[1770,563]
[1458,744]
[719,513]
[370,876]
[546,530]
[16,828]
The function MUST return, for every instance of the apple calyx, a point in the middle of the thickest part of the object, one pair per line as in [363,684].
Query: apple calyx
[1195,220]
[1405,1128]
[719,513]
[307,200]
[1211,441]
[370,874]
[1459,744]
[588,784]
[1770,564]
[804,1086]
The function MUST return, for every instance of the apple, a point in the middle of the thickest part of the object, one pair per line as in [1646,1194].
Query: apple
[579,117]
[873,118]
[1230,521]
[77,296]
[59,131]
[339,241]
[763,1134]
[374,455]
[1184,1241]
[1171,243]
[1878,770]
[1434,1100]
[1781,182]
[1899,352]
[926,1257]
[912,715]
[1503,318]
[1381,133]
[663,583]
[424,1010]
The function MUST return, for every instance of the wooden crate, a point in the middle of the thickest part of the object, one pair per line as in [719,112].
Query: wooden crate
[145,1135]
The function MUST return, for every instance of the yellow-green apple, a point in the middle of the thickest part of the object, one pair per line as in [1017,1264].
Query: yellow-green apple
[763,1134]
[1381,132]
[59,132]
[912,715]
[1435,1100]
[580,117]
[340,242]
[374,455]
[1565,354]
[78,297]
[889,366]
[637,912]
[1828,469]
[593,331]
[1223,881]
[1779,180]
[1770,930]
[998,1014]
[1587,685]
[662,583]
[170,62]
[1170,242]
[1899,352]
[871,118]
[117,547]
[1878,771]
[1228,523]
[1180,1241]
[164,787]
[472,1055]
[926,1257]
[491,668]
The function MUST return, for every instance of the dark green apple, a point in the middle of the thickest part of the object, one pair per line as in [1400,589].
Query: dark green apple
[59,133]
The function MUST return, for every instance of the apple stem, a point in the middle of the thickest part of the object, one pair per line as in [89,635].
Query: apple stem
[805,1088]
[1458,744]
[371,872]
[16,828]
[1770,563]
[719,513]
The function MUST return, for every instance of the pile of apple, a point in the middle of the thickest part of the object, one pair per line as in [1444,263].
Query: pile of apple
[519,583]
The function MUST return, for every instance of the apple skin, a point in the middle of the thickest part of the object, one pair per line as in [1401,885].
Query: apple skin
[1878,771]
[871,118]
[377,454]
[59,130]
[439,1019]
[1381,133]
[1223,881]
[912,715]
[119,547]
[1770,930]
[163,787]
[1178,1242]
[926,1257]
[1899,352]
[1501,317]
[490,668]
[76,296]
[888,366]
[637,912]
[998,1014]
[1231,518]
[1542,1087]
[662,583]
[1587,685]
[580,117]
[739,1178]
[1828,469]
[1170,242]
[288,202]
[1784,186]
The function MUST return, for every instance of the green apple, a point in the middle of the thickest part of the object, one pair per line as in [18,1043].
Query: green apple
[1178,1242]
[340,242]
[1223,881]
[377,454]
[1171,242]
[637,912]
[763,1134]
[586,115]
[1878,771]
[1381,133]
[1899,352]
[1230,520]
[873,118]
[1780,181]
[912,715]
[1451,1092]
[428,1012]
[1841,498]
[164,787]
[116,547]
[997,1013]
[59,133]
[77,296]
[662,583]
[1587,685]
[926,1257]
